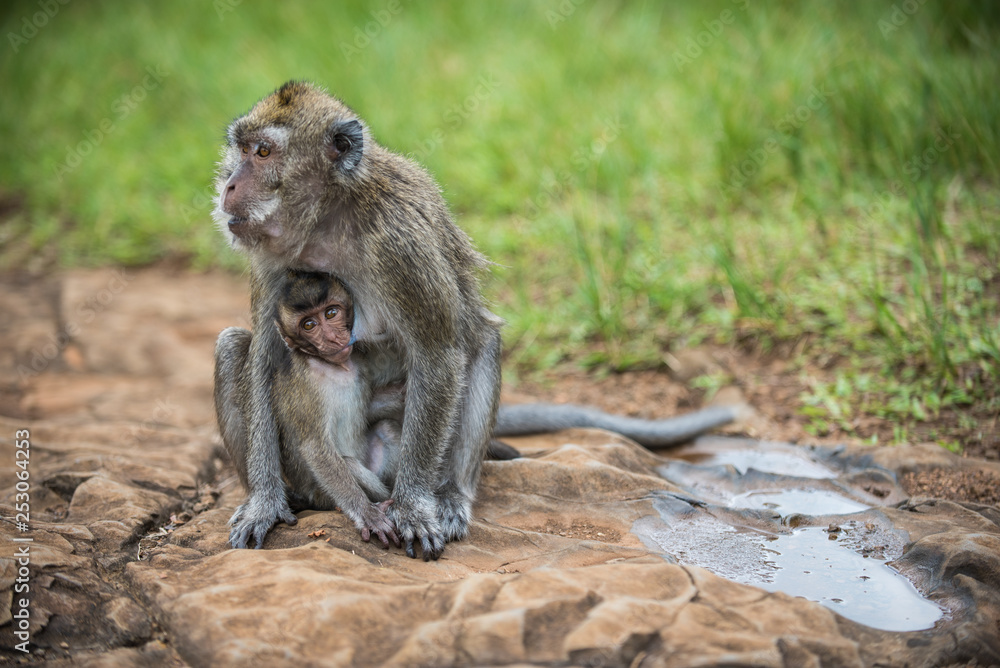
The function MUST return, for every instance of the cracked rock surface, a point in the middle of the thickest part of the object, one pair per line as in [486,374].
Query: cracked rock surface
[129,502]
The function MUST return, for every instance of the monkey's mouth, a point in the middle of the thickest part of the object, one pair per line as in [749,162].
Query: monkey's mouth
[237,222]
[338,357]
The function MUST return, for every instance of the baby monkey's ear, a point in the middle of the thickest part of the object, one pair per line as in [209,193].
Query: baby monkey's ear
[284,337]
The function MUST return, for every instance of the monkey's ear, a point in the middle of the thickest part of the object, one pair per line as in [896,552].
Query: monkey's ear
[345,144]
[281,332]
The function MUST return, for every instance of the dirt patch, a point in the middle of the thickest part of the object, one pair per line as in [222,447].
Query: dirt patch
[974,486]
[580,531]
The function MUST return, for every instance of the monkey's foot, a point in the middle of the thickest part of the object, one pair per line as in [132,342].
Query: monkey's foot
[374,520]
[254,519]
[454,512]
[416,520]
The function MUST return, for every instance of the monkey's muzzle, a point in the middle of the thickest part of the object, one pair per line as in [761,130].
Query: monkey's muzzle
[237,224]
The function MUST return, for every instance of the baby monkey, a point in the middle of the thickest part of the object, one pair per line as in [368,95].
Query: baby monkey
[338,411]
[315,319]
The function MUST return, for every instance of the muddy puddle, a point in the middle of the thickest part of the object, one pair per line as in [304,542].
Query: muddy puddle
[786,519]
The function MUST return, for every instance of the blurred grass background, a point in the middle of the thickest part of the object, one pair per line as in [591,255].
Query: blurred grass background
[648,176]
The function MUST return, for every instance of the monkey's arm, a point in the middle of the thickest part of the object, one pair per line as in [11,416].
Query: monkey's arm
[336,476]
[266,503]
[522,419]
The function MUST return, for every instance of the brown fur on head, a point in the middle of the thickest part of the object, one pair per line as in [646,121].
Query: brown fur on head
[315,315]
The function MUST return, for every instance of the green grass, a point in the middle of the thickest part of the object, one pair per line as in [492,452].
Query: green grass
[646,175]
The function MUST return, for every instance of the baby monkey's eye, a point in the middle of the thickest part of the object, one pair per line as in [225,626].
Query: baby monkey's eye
[332,312]
[263,151]
[244,150]
[308,324]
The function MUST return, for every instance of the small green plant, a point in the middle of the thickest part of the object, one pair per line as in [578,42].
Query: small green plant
[711,383]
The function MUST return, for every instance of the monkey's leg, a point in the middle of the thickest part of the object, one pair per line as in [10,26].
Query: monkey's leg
[387,403]
[472,438]
[266,503]
[433,379]
[230,363]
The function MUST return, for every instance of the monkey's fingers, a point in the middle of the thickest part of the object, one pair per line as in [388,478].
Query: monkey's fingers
[427,545]
[382,537]
[366,535]
[241,534]
[386,533]
[238,539]
[256,526]
[431,551]
[259,532]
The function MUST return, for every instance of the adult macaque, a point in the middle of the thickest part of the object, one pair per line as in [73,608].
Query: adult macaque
[303,185]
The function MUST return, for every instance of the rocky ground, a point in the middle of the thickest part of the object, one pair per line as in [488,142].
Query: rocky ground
[110,374]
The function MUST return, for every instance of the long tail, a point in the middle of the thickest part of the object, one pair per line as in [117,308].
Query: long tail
[522,419]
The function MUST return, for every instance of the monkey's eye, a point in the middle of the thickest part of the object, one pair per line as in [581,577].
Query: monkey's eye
[308,324]
[263,151]
[332,312]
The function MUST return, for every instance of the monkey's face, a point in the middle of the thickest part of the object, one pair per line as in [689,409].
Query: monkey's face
[279,165]
[249,197]
[324,331]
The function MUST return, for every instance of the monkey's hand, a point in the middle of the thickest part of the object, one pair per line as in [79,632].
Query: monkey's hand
[374,520]
[416,519]
[454,511]
[255,518]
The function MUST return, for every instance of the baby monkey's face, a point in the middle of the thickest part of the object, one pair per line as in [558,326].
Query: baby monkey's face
[322,330]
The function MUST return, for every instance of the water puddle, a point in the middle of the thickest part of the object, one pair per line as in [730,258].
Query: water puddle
[859,588]
[805,501]
[780,460]
[830,566]
[725,483]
